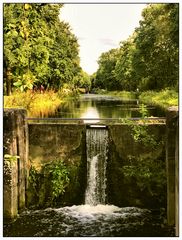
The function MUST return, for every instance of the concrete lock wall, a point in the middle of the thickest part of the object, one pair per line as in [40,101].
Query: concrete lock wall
[51,141]
[40,143]
[126,154]
[15,149]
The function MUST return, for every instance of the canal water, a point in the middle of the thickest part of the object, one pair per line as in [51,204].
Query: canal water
[104,106]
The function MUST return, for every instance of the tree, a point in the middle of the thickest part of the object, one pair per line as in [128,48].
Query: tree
[105,76]
[39,49]
[148,59]
[64,61]
[124,71]
[157,47]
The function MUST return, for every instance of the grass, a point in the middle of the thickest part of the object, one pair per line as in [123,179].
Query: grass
[36,104]
[164,98]
[121,94]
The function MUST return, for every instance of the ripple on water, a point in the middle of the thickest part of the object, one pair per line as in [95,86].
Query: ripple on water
[85,220]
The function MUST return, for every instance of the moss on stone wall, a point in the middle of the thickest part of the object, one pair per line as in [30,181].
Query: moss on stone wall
[135,172]
[65,142]
[131,167]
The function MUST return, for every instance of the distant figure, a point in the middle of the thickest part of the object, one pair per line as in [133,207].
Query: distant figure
[41,89]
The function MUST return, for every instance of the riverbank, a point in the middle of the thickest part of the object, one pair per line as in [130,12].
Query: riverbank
[37,104]
[165,98]
[44,104]
[121,94]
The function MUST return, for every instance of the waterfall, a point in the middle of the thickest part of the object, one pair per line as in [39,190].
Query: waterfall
[96,144]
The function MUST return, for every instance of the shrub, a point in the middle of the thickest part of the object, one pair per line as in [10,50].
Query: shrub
[48,184]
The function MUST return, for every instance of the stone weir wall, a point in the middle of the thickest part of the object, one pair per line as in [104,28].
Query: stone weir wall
[137,165]
[52,142]
[130,165]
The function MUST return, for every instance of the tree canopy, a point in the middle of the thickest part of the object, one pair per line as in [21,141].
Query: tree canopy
[39,48]
[149,58]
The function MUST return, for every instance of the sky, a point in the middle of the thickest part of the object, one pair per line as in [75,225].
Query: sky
[100,27]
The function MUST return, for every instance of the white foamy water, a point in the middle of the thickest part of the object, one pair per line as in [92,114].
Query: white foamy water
[82,210]
[86,221]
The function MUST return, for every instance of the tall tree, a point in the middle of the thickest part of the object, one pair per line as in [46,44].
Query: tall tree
[157,46]
[38,47]
[64,61]
[124,71]
[149,58]
[105,76]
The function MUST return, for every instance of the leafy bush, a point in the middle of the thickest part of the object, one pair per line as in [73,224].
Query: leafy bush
[148,173]
[58,175]
[164,98]
[48,184]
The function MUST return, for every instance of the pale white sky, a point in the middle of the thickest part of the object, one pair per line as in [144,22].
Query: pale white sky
[100,27]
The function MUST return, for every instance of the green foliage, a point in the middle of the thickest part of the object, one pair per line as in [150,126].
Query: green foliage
[34,179]
[124,70]
[50,182]
[164,98]
[141,134]
[149,174]
[58,176]
[143,110]
[149,58]
[147,171]
[156,47]
[105,77]
[140,130]
[25,81]
[38,47]
[9,157]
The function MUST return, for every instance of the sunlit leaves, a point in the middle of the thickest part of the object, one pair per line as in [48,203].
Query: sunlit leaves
[148,59]
[36,42]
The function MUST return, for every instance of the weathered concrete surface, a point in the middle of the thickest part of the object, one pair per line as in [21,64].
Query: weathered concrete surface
[48,142]
[10,190]
[15,144]
[172,167]
[54,141]
[67,142]
[122,190]
[177,181]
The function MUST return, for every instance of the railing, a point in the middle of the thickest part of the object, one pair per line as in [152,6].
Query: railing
[158,120]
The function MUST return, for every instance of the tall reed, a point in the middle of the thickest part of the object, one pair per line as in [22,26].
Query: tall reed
[37,104]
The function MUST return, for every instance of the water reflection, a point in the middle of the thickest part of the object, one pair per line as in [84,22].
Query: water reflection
[103,106]
[90,112]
